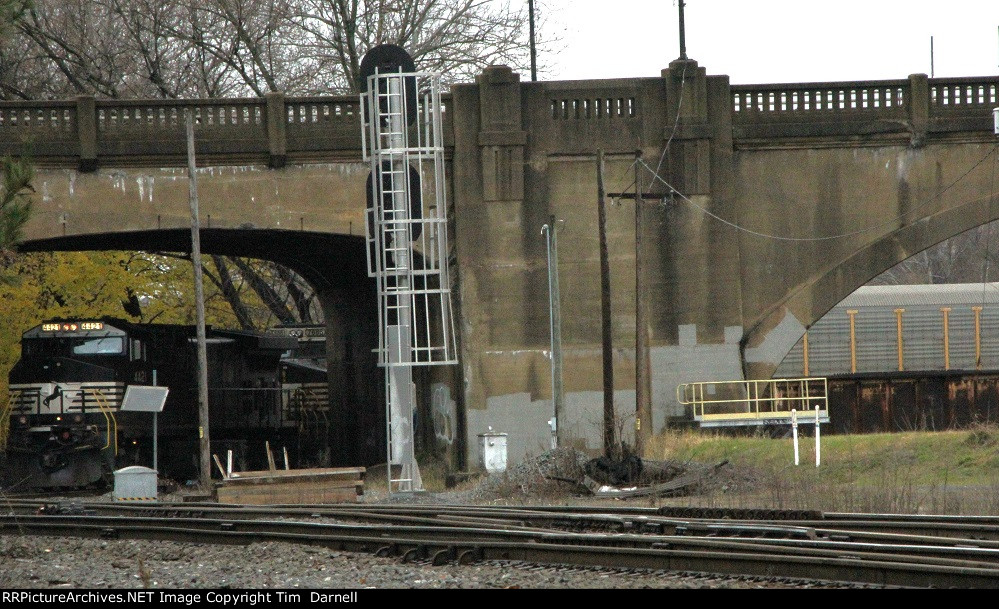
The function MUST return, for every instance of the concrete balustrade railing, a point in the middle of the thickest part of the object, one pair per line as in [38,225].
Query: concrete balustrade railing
[951,95]
[753,103]
[271,130]
[276,129]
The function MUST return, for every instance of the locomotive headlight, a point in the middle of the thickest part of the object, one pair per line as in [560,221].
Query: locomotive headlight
[58,418]
[23,420]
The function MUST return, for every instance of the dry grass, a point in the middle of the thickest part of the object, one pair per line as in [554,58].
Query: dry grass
[942,472]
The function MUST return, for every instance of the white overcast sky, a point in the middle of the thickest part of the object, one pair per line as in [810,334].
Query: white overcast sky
[768,41]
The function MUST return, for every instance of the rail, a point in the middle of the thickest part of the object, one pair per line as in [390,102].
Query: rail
[112,422]
[935,551]
[755,402]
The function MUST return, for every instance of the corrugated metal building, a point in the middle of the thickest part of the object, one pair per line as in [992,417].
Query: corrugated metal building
[916,357]
[928,344]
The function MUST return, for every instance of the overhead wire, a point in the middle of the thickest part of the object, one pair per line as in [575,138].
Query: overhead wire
[902,216]
[676,126]
[988,247]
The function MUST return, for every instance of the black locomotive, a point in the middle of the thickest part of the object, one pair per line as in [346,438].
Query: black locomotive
[65,426]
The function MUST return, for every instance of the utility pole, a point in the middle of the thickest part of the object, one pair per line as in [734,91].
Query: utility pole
[555,313]
[534,51]
[199,296]
[683,35]
[931,58]
[643,405]
[605,312]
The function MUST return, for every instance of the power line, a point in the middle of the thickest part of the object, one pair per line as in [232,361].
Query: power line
[823,238]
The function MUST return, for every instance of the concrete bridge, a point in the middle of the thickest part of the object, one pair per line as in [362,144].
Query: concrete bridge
[793,196]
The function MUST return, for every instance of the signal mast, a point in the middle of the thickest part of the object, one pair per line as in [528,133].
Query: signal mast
[406,231]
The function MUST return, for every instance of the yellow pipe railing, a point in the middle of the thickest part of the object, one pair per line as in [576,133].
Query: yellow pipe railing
[755,400]
[5,419]
[112,422]
[946,328]
[978,337]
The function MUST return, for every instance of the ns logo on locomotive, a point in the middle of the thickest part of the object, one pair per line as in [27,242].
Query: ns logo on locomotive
[64,423]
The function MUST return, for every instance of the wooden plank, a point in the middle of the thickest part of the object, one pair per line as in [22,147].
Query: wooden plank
[218,464]
[270,456]
[291,498]
[301,484]
[310,478]
[358,472]
[283,494]
[295,486]
[313,480]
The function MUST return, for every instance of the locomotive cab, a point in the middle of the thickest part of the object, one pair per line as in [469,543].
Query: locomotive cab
[67,428]
[63,394]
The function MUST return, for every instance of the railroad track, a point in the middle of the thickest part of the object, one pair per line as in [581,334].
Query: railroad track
[862,548]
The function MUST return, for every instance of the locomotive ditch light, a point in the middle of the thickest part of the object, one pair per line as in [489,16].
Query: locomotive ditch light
[78,418]
[23,420]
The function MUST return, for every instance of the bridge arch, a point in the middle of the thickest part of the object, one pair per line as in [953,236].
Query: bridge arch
[335,266]
[807,302]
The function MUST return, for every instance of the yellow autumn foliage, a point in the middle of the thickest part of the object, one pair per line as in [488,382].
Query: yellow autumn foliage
[77,285]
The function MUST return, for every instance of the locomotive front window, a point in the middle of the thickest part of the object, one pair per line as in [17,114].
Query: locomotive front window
[109,345]
[45,347]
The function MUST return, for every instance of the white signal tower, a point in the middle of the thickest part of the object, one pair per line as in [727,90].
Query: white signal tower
[406,227]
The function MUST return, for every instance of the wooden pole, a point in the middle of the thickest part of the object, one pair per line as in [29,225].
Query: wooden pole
[534,50]
[643,407]
[605,311]
[199,296]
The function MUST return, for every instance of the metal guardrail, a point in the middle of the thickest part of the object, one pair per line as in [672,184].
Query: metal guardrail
[755,402]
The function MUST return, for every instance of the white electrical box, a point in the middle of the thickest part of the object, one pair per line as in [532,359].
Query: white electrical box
[492,452]
[135,483]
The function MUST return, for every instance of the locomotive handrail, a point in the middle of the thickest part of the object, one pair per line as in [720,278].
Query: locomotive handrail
[5,418]
[109,418]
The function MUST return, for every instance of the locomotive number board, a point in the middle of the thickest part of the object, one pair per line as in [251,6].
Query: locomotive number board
[72,326]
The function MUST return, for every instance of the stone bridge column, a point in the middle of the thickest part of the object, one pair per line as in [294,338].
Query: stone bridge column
[501,138]
[500,264]
[356,383]
[695,280]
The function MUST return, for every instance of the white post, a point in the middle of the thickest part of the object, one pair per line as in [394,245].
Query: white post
[818,442]
[554,315]
[794,433]
[156,435]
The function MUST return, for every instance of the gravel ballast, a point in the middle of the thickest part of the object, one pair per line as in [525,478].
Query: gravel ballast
[48,562]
